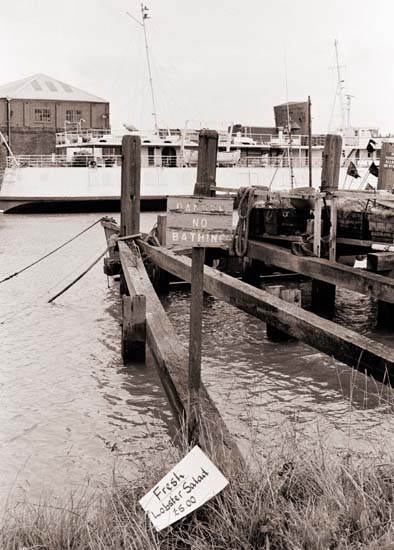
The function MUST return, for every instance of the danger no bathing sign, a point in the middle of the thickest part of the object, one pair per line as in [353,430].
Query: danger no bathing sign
[191,483]
[199,221]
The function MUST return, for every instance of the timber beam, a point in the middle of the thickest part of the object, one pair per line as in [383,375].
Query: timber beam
[361,281]
[172,360]
[343,344]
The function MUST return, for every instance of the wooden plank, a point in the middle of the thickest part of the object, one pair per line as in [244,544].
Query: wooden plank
[134,327]
[337,341]
[380,261]
[337,274]
[171,358]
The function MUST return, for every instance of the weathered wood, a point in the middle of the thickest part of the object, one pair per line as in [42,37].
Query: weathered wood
[161,229]
[317,227]
[171,358]
[358,280]
[386,167]
[332,253]
[206,166]
[195,339]
[332,156]
[134,328]
[345,345]
[130,201]
[380,261]
[291,295]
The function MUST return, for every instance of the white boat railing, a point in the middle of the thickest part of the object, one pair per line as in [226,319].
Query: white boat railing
[172,161]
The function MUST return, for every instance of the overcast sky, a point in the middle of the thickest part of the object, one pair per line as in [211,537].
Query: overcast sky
[213,60]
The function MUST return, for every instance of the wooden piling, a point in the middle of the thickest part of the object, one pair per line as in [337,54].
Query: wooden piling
[323,293]
[131,186]
[332,156]
[161,279]
[206,166]
[133,328]
[386,167]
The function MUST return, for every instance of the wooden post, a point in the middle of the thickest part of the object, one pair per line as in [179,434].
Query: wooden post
[206,166]
[317,227]
[332,156]
[130,188]
[323,294]
[290,295]
[133,330]
[196,308]
[332,254]
[161,278]
[386,167]
[310,141]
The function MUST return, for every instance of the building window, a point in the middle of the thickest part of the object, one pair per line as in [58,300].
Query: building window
[42,115]
[73,116]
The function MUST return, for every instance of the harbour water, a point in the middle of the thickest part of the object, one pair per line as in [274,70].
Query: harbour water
[71,413]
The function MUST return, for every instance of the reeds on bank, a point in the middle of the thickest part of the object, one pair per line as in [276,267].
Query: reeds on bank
[295,500]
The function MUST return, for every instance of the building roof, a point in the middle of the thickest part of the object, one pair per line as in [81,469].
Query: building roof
[41,86]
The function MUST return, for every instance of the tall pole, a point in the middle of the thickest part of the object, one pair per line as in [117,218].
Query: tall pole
[340,86]
[144,13]
[310,140]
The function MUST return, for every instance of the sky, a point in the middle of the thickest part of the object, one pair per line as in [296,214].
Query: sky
[214,62]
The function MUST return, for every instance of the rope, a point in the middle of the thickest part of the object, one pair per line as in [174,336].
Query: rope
[79,276]
[51,252]
[241,234]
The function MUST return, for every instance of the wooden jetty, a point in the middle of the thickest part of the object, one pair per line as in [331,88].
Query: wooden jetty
[297,231]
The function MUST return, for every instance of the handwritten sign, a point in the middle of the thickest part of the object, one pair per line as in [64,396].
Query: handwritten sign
[199,221]
[191,483]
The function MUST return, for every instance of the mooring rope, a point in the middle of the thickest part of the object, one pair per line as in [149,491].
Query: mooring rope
[241,234]
[79,276]
[51,252]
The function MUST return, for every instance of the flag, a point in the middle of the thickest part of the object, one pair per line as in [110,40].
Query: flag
[352,170]
[371,146]
[374,170]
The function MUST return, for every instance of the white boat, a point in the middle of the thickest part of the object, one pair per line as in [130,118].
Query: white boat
[85,172]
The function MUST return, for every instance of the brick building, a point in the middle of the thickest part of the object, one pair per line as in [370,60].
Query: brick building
[32,110]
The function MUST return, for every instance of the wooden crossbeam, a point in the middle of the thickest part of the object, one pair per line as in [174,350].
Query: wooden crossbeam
[171,358]
[347,346]
[372,284]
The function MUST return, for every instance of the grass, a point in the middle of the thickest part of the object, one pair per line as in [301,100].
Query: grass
[295,500]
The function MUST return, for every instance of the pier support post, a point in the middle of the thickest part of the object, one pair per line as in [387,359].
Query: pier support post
[323,294]
[206,164]
[133,330]
[386,167]
[130,200]
[161,277]
[291,295]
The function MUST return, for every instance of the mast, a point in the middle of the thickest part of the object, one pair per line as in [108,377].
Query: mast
[310,140]
[145,15]
[341,86]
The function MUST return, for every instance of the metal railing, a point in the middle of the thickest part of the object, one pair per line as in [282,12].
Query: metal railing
[170,161]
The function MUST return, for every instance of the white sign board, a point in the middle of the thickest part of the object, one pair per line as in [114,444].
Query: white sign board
[193,481]
[199,221]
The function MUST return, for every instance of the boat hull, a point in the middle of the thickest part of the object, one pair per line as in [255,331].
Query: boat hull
[39,189]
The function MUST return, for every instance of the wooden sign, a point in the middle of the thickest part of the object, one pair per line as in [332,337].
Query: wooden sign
[199,221]
[193,481]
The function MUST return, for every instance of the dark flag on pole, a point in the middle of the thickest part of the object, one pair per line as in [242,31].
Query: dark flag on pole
[371,146]
[374,170]
[352,170]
